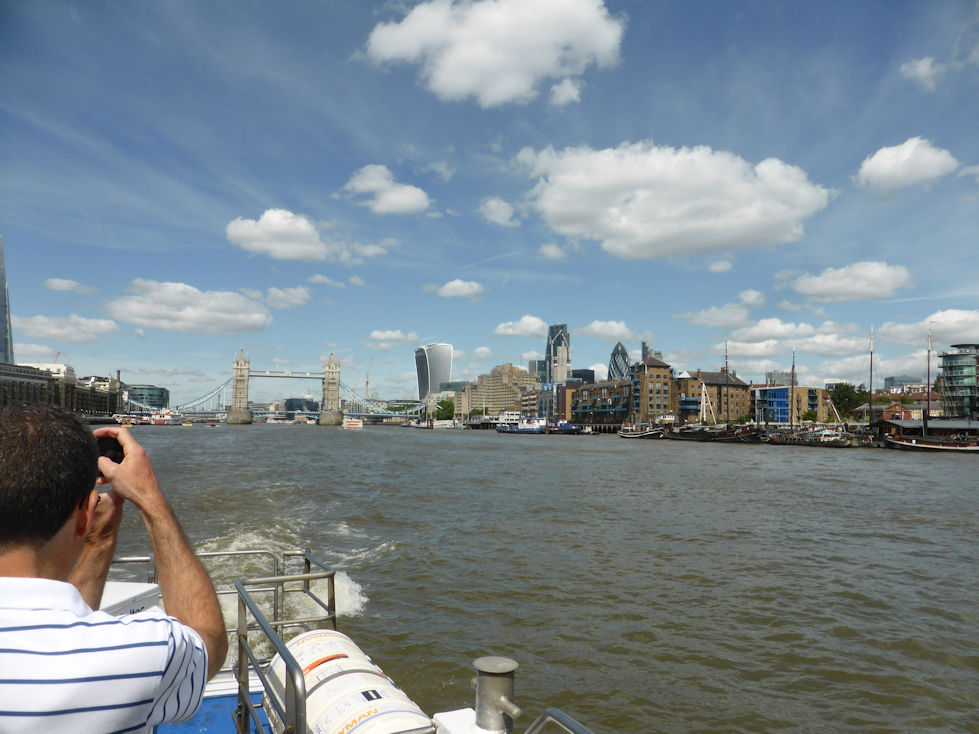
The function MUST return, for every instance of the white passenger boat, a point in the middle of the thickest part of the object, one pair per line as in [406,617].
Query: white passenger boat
[290,670]
[351,423]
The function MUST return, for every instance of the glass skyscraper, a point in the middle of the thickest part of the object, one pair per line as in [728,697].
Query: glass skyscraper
[618,364]
[558,354]
[6,335]
[433,364]
[960,381]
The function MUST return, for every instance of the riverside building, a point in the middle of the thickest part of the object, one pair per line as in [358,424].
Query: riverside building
[960,389]
[495,392]
[558,353]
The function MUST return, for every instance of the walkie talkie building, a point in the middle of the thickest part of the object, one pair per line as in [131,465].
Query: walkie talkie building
[434,366]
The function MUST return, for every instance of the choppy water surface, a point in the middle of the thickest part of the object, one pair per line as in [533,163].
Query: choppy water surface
[642,585]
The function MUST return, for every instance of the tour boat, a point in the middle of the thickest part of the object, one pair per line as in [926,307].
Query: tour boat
[290,670]
[526,425]
[351,423]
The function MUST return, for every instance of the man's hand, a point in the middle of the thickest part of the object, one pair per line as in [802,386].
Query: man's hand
[133,478]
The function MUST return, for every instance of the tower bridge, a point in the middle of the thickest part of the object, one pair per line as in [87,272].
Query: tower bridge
[330,406]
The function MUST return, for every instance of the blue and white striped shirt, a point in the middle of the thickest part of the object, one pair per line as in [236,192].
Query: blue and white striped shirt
[66,668]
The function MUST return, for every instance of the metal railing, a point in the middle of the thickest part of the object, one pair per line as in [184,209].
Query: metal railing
[557,716]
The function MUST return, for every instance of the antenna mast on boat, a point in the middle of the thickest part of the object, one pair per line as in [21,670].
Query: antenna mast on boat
[792,395]
[727,377]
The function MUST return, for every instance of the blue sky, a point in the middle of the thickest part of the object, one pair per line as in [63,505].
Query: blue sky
[182,180]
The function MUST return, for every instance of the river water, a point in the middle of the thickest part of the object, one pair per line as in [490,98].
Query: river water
[643,586]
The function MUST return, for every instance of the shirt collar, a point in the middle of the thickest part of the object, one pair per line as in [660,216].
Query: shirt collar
[35,593]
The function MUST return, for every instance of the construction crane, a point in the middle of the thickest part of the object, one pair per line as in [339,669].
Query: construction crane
[367,378]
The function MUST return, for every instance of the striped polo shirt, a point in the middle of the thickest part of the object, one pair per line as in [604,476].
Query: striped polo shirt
[65,668]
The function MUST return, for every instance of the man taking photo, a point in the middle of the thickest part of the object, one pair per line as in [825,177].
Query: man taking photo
[63,666]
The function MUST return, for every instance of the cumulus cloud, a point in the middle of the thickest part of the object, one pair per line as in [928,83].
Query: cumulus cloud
[643,201]
[287,297]
[720,317]
[357,281]
[925,72]
[527,356]
[611,331]
[766,348]
[457,289]
[953,326]
[565,92]
[497,211]
[388,196]
[772,328]
[527,326]
[325,280]
[34,353]
[63,284]
[551,251]
[601,371]
[752,298]
[831,345]
[860,281]
[720,266]
[385,339]
[498,51]
[915,161]
[182,307]
[75,329]
[280,234]
[479,354]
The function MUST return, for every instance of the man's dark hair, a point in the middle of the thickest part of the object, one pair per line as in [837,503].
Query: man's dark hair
[48,465]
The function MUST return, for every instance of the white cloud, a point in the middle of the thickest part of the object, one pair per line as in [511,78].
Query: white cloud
[765,348]
[74,329]
[182,307]
[497,211]
[34,353]
[601,371]
[611,331]
[527,356]
[480,354]
[565,92]
[63,284]
[499,51]
[389,196]
[913,162]
[831,345]
[720,317]
[527,326]
[643,201]
[923,71]
[325,280]
[860,281]
[551,251]
[357,281]
[752,298]
[394,335]
[443,170]
[280,234]
[287,297]
[772,328]
[954,326]
[457,289]
[720,266]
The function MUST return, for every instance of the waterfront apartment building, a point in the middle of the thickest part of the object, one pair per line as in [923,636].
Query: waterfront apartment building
[557,353]
[712,397]
[960,389]
[603,406]
[57,385]
[786,405]
[654,392]
[495,392]
[433,364]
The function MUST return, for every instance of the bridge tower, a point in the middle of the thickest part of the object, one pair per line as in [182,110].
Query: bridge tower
[239,413]
[330,414]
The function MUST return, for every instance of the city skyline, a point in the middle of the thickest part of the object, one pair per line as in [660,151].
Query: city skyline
[184,181]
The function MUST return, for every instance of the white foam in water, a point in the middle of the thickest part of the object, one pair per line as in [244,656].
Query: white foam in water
[351,599]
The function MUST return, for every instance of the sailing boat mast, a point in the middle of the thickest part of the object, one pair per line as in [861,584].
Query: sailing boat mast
[870,403]
[924,421]
[792,395]
[727,402]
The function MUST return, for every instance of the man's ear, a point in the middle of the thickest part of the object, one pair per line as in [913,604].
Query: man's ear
[85,514]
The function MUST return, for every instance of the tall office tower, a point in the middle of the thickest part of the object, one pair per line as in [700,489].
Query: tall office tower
[434,366]
[558,353]
[618,364]
[537,369]
[647,352]
[6,335]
